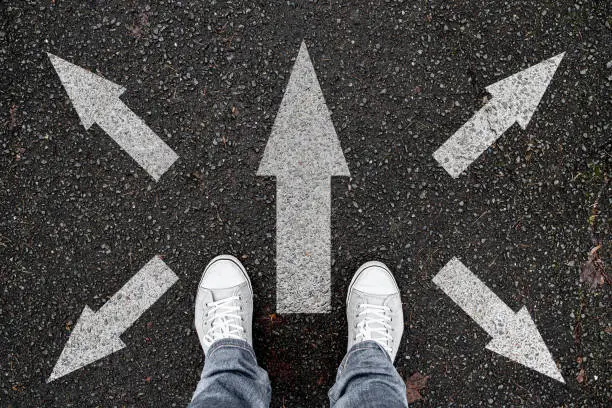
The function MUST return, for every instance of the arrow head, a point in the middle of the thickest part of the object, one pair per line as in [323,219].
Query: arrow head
[521,93]
[303,142]
[523,343]
[89,341]
[88,92]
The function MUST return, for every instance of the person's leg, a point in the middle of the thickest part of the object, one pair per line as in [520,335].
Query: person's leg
[223,318]
[366,377]
[231,378]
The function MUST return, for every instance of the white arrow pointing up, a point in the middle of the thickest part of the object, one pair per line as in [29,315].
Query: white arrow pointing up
[515,99]
[96,100]
[515,335]
[303,152]
[96,334]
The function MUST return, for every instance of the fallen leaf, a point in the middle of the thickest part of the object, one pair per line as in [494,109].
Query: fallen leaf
[581,376]
[592,271]
[414,385]
[18,387]
[577,332]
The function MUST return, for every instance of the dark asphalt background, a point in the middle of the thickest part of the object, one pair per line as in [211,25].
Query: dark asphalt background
[80,217]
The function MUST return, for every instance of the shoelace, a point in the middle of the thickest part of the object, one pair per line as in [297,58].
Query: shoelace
[225,322]
[374,324]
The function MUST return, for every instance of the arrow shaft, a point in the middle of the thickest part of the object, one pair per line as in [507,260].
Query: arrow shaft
[136,138]
[303,245]
[136,296]
[475,298]
[474,137]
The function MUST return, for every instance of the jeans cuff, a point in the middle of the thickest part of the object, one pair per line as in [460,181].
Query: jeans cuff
[363,345]
[231,343]
[368,345]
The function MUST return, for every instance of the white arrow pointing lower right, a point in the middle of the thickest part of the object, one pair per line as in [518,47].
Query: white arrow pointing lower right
[515,335]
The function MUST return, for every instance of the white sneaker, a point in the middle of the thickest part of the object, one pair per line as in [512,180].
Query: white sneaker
[224,303]
[374,308]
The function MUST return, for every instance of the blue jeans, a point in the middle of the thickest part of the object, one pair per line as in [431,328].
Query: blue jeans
[232,379]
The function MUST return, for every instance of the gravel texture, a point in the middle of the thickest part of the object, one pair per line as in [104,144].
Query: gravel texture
[80,217]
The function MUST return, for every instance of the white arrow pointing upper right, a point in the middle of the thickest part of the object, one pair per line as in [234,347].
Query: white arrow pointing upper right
[515,335]
[515,99]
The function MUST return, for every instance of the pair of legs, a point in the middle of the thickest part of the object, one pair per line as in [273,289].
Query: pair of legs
[231,377]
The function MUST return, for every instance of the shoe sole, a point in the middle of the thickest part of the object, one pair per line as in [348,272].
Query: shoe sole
[363,268]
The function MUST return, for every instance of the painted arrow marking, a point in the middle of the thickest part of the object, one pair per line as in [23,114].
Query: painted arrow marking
[96,100]
[303,152]
[96,334]
[515,335]
[515,99]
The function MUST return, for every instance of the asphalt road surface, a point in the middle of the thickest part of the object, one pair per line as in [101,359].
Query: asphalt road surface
[79,217]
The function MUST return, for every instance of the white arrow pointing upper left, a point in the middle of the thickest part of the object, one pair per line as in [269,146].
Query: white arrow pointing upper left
[96,334]
[96,100]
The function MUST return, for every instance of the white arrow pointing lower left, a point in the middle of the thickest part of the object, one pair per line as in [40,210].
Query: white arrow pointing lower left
[96,334]
[96,100]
